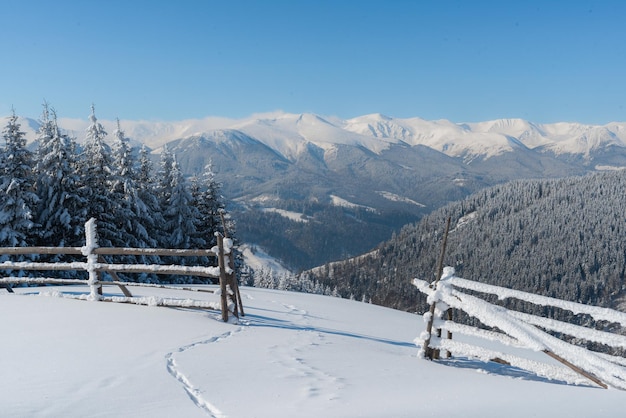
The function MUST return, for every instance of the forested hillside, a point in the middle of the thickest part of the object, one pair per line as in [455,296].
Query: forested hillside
[563,238]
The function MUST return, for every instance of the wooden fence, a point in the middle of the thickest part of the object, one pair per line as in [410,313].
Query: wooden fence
[519,329]
[94,265]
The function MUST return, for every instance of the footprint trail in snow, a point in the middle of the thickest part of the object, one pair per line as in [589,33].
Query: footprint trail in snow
[194,393]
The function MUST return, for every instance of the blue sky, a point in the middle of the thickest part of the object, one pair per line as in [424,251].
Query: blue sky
[545,61]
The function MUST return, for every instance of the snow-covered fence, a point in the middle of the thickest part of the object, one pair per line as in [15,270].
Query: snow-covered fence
[519,329]
[230,301]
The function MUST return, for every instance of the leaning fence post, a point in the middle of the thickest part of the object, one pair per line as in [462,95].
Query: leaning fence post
[428,351]
[91,243]
[223,278]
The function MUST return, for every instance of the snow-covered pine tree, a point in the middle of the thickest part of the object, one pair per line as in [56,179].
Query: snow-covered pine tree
[209,202]
[134,213]
[163,189]
[214,218]
[61,210]
[147,193]
[18,200]
[181,217]
[97,182]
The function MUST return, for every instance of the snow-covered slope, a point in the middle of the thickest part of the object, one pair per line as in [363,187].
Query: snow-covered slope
[259,260]
[442,135]
[292,355]
[288,134]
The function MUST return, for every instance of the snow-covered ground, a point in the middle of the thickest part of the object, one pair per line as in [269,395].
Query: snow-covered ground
[292,355]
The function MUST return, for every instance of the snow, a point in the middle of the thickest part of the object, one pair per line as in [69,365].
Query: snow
[609,168]
[341,202]
[255,257]
[397,198]
[294,216]
[464,220]
[292,355]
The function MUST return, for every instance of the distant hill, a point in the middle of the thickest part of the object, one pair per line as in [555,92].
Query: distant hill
[564,238]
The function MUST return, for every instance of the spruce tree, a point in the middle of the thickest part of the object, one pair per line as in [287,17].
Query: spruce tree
[133,212]
[163,189]
[103,203]
[208,200]
[18,199]
[181,216]
[147,193]
[61,210]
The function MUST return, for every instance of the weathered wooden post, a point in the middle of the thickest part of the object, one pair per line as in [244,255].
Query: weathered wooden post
[223,277]
[231,264]
[428,351]
[91,243]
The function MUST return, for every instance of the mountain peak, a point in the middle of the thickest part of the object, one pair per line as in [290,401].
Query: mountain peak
[285,132]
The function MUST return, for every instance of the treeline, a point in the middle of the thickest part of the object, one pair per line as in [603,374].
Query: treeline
[562,238]
[301,282]
[48,194]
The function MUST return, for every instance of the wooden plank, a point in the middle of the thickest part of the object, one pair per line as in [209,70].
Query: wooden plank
[41,250]
[20,265]
[157,286]
[165,305]
[6,286]
[113,274]
[576,369]
[154,251]
[42,280]
[108,251]
[157,269]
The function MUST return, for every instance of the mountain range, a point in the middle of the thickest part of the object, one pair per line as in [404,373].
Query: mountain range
[310,189]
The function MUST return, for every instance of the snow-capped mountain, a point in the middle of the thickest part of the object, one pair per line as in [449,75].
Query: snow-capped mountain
[289,134]
[379,171]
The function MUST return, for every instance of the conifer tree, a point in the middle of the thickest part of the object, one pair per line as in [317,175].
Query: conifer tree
[147,193]
[17,198]
[208,200]
[61,210]
[97,185]
[133,212]
[163,188]
[181,216]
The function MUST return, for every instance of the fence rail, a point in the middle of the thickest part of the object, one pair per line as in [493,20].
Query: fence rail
[230,301]
[521,329]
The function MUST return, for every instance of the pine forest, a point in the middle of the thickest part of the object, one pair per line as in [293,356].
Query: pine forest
[49,193]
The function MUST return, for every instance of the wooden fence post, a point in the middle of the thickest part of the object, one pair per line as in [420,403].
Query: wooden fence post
[428,351]
[91,243]
[231,264]
[223,277]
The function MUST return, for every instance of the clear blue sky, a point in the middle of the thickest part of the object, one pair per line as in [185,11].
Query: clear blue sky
[465,61]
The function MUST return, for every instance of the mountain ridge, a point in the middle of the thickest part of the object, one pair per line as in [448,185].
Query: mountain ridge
[281,131]
[357,180]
